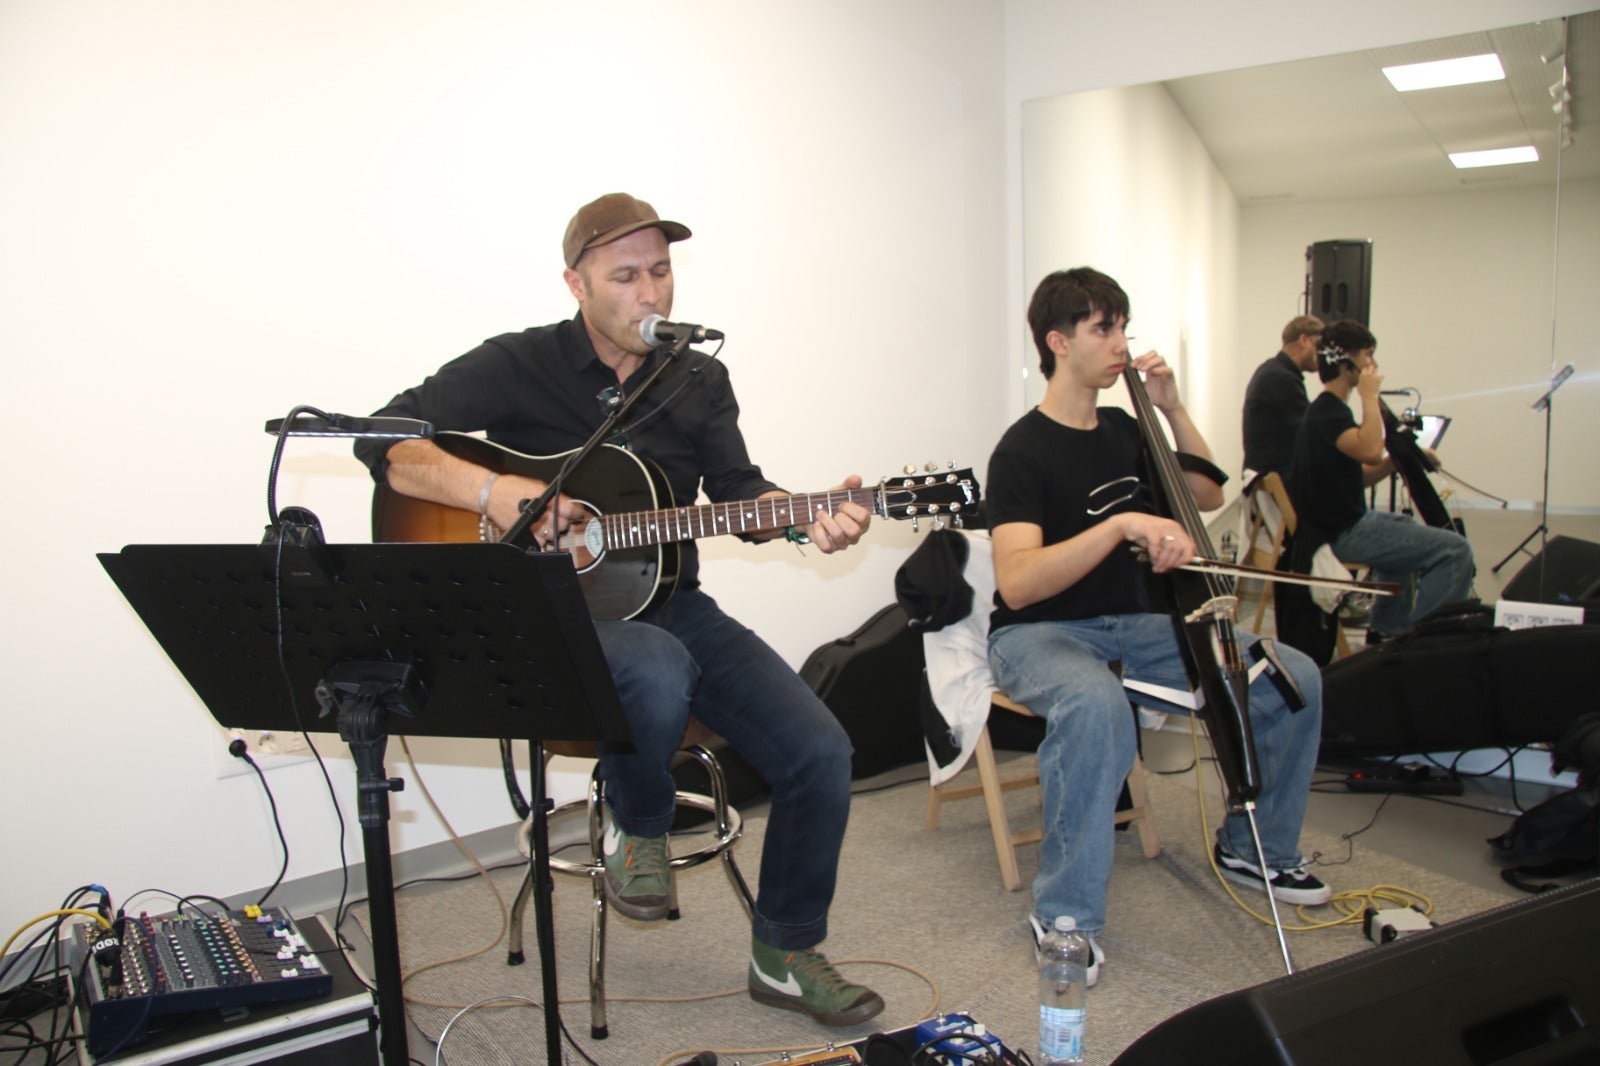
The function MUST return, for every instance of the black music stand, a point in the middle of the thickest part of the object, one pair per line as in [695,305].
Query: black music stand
[498,640]
[1545,403]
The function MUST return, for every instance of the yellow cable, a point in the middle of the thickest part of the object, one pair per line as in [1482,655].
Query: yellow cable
[47,915]
[1350,904]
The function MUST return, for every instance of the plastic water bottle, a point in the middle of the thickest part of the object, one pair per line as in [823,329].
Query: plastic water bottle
[1229,548]
[1063,987]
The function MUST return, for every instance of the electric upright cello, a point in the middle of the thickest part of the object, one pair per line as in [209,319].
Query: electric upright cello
[1413,466]
[1204,606]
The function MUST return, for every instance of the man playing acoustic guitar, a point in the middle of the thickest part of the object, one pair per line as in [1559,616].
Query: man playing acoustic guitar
[544,391]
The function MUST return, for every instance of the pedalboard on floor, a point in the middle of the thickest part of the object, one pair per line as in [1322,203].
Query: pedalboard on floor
[944,1040]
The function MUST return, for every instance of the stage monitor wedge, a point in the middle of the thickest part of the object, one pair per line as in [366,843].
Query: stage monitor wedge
[1566,571]
[1516,984]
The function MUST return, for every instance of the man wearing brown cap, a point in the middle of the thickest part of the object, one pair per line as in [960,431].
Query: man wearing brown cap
[544,391]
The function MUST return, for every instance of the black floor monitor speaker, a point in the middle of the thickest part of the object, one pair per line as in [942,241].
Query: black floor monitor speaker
[1566,571]
[1339,280]
[1517,984]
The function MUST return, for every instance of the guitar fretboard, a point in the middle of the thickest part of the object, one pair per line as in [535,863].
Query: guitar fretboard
[641,528]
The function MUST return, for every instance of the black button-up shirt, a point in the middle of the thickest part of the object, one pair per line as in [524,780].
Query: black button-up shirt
[541,392]
[1275,402]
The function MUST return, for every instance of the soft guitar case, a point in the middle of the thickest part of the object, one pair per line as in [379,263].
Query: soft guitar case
[1456,682]
[871,680]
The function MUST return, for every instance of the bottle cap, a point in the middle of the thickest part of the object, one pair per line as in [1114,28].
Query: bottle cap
[1066,923]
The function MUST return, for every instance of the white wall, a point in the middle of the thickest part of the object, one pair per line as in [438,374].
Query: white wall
[1055,47]
[214,212]
[1116,179]
[1461,305]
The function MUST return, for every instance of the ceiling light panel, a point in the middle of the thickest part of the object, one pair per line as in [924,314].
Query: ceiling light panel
[1467,70]
[1495,157]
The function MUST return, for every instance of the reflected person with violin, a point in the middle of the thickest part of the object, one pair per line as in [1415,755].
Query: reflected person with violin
[1066,515]
[1336,459]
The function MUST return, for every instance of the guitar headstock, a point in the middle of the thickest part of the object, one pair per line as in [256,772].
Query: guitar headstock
[930,493]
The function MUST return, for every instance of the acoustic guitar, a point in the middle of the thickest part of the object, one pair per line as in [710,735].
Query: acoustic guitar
[625,550]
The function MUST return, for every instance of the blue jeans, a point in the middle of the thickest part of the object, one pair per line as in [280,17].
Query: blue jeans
[687,658]
[1058,670]
[1432,566]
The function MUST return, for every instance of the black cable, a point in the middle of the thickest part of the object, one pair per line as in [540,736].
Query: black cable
[1349,838]
[244,753]
[567,1034]
[226,909]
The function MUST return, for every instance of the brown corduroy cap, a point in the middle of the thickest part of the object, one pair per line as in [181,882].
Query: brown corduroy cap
[614,215]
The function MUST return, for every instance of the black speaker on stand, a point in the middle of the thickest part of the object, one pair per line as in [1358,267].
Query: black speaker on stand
[1339,280]
[1516,984]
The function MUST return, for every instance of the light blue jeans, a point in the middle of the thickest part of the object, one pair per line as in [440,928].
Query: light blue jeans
[1058,670]
[1433,566]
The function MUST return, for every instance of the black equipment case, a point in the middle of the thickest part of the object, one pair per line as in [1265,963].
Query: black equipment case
[872,681]
[1456,682]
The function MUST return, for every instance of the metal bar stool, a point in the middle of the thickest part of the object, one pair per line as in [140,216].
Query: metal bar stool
[727,825]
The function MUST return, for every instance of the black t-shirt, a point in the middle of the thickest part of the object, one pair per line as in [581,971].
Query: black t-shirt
[1327,486]
[1064,481]
[1274,405]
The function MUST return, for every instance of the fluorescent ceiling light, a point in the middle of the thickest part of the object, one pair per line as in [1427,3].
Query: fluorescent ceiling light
[1463,71]
[1495,157]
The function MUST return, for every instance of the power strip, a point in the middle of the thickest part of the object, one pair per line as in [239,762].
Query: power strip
[1411,778]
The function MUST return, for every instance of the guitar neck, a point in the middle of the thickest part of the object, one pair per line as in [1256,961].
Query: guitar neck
[671,524]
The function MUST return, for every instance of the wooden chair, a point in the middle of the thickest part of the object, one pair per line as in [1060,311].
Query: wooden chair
[726,827]
[992,787]
[1270,493]
[1276,496]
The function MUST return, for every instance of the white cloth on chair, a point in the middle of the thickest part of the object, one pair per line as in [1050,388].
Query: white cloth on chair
[957,659]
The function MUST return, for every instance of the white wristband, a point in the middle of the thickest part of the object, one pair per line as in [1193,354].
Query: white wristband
[483,494]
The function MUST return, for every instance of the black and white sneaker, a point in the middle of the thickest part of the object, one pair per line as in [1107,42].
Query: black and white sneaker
[1291,885]
[1096,956]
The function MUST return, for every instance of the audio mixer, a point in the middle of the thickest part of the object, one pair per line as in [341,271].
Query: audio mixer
[152,967]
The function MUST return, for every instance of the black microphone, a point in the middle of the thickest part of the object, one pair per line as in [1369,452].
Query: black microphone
[1396,392]
[705,1058]
[384,428]
[658,332]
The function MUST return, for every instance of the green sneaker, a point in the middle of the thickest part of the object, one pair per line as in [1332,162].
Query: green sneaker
[807,982]
[637,873]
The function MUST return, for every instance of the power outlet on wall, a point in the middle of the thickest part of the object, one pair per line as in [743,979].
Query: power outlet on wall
[269,748]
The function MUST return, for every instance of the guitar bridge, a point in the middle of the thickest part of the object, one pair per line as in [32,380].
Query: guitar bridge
[1224,607]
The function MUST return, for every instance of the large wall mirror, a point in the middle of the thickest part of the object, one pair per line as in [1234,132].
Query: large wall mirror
[1201,196]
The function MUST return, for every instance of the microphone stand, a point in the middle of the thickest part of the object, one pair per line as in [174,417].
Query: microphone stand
[533,510]
[539,857]
[1547,404]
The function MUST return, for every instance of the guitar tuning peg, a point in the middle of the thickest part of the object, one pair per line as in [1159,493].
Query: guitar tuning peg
[909,468]
[930,466]
[915,522]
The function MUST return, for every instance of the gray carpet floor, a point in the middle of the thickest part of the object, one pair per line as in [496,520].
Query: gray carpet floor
[920,916]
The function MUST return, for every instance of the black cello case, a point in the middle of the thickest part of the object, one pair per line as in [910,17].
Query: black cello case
[1456,682]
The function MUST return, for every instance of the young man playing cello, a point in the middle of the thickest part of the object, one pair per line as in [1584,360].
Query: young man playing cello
[1065,515]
